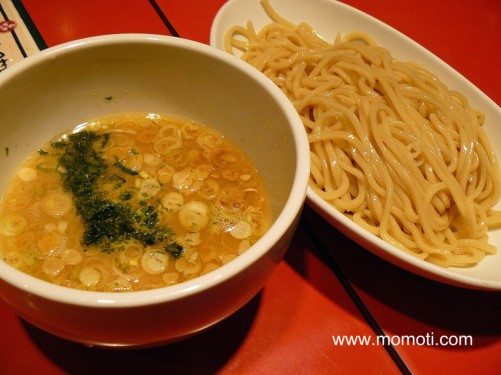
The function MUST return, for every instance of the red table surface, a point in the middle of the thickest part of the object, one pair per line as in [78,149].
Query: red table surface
[288,327]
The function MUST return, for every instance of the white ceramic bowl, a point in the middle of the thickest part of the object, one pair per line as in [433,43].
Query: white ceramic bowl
[61,87]
[329,18]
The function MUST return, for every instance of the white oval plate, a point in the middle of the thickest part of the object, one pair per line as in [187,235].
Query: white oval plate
[329,17]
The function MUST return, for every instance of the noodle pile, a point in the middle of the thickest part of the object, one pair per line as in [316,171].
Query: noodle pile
[391,146]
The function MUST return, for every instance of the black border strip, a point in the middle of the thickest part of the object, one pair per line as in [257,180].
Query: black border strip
[354,295]
[164,18]
[30,25]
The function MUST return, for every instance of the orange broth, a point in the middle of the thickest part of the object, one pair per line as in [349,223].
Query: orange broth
[198,186]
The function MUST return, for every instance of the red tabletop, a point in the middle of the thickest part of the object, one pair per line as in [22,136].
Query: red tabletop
[327,288]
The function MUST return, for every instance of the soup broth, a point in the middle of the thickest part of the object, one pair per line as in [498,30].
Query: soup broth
[132,202]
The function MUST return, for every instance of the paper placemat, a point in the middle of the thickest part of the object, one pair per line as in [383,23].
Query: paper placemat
[16,40]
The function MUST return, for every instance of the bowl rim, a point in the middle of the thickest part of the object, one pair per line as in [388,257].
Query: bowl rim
[279,227]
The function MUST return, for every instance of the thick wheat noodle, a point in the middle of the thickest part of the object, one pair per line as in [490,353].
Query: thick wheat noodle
[391,146]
